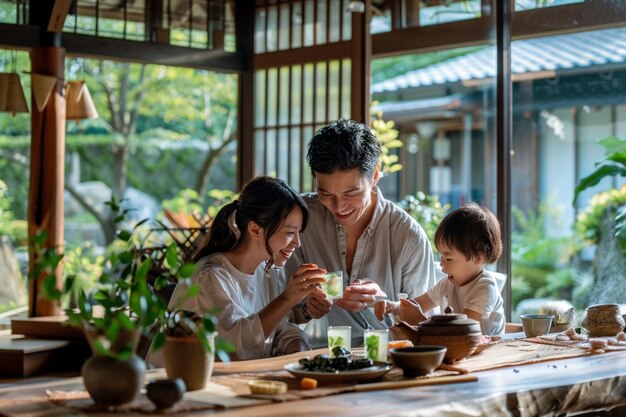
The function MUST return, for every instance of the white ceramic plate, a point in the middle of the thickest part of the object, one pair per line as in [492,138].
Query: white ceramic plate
[338,377]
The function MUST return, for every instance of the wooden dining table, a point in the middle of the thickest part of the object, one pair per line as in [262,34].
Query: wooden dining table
[553,387]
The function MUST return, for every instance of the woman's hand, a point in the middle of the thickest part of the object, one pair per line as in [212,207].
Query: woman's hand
[317,305]
[360,295]
[305,281]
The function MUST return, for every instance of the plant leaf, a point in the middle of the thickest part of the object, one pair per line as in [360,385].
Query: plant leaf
[604,168]
[172,256]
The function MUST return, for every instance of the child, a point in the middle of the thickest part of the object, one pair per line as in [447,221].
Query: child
[259,230]
[467,239]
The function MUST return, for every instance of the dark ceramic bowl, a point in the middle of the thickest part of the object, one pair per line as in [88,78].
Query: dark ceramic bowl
[418,360]
[164,393]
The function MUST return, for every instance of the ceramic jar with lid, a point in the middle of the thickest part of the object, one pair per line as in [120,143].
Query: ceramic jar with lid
[460,334]
[603,320]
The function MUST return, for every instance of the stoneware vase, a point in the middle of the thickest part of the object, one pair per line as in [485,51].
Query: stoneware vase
[186,358]
[111,381]
[603,320]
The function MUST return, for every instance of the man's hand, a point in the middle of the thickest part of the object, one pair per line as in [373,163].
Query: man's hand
[360,295]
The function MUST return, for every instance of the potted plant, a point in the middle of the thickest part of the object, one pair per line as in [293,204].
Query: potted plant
[612,165]
[122,306]
[189,346]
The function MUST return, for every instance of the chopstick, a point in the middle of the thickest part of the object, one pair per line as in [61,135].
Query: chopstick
[415,382]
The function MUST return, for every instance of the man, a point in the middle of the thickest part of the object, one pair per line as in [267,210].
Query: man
[381,250]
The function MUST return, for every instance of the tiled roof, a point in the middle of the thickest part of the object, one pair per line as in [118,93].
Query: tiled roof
[554,53]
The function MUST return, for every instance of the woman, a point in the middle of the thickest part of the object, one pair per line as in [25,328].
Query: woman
[234,271]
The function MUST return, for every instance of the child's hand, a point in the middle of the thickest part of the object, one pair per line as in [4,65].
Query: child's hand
[385,307]
[411,312]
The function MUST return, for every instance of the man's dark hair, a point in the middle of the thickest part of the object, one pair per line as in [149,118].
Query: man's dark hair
[472,230]
[344,145]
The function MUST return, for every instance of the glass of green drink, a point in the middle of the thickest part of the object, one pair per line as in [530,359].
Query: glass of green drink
[339,336]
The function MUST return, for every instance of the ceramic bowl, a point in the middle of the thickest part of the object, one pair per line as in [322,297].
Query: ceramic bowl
[164,393]
[418,360]
[536,324]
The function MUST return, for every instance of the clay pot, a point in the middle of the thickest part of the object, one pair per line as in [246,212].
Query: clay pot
[185,358]
[459,334]
[111,381]
[603,320]
[164,393]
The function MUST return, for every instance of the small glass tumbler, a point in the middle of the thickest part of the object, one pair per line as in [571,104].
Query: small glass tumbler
[375,342]
[339,336]
[333,287]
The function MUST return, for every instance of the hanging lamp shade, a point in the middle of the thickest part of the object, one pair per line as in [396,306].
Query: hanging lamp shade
[12,98]
[79,103]
[43,86]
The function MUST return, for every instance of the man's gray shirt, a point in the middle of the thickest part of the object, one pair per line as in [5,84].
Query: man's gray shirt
[393,251]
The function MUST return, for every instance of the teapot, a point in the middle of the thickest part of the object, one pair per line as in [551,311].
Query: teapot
[460,334]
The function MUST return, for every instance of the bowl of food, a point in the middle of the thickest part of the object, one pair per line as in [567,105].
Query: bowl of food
[418,360]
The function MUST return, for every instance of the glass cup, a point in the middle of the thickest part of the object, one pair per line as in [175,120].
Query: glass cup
[339,336]
[333,287]
[375,342]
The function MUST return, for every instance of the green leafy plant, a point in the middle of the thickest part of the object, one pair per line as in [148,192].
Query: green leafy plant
[612,165]
[540,263]
[388,138]
[427,210]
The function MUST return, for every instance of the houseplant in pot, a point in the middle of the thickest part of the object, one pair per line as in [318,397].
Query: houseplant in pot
[189,340]
[114,314]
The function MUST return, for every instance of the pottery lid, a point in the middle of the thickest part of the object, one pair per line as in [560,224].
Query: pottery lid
[449,324]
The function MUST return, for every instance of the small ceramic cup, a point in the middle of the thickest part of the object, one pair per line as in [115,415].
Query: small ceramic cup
[536,324]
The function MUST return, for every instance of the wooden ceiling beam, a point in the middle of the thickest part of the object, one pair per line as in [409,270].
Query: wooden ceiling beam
[578,17]
[26,37]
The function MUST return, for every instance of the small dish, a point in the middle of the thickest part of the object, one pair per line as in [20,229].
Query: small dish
[338,377]
[418,360]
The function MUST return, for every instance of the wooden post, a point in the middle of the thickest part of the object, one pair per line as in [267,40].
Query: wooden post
[47,172]
[361,59]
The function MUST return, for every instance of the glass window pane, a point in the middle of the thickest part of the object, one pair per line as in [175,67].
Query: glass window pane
[272,29]
[283,39]
[285,106]
[259,152]
[320,23]
[309,86]
[307,181]
[320,92]
[564,101]
[296,25]
[259,31]
[346,35]
[346,79]
[296,94]
[272,96]
[333,90]
[259,98]
[335,28]
[295,161]
[270,153]
[283,155]
[309,23]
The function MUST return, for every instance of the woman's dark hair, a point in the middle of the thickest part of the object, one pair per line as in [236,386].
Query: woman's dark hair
[472,230]
[264,200]
[344,145]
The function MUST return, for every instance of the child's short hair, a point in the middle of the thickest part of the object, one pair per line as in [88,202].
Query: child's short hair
[472,230]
